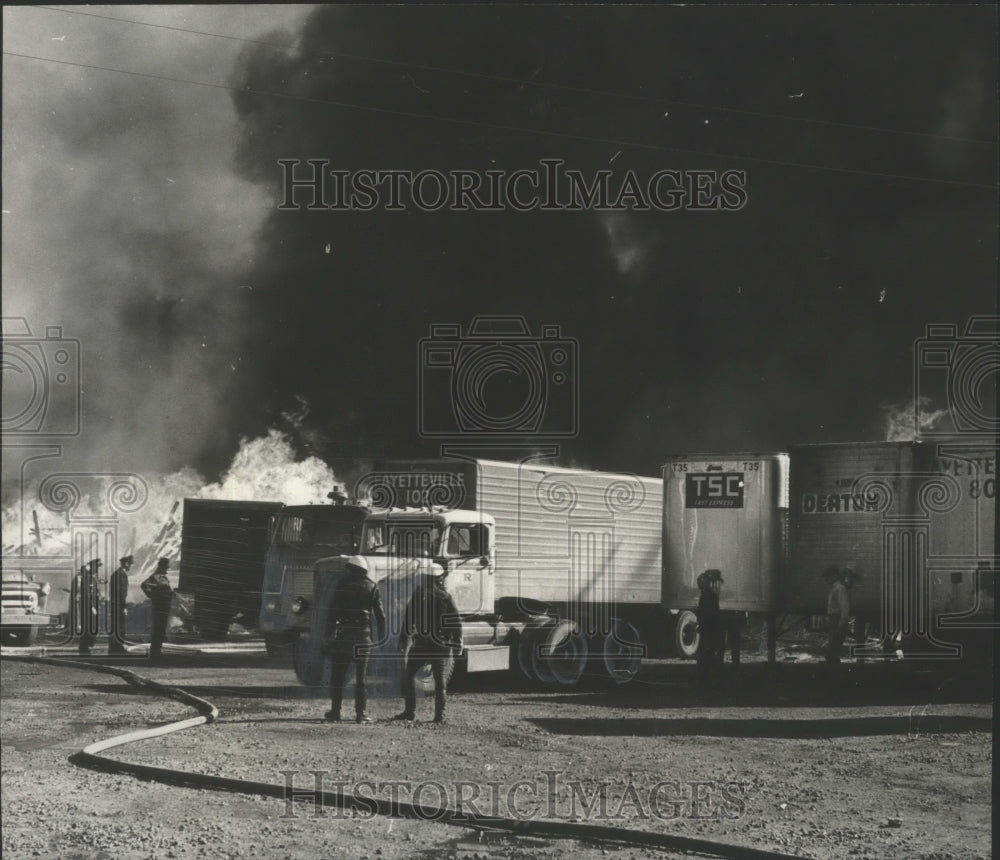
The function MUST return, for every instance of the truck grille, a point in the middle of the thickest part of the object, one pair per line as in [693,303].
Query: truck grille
[302,583]
[19,599]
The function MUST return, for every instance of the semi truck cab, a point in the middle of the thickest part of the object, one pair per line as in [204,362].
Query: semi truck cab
[462,542]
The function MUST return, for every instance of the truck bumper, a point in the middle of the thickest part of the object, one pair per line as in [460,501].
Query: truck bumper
[487,658]
[25,619]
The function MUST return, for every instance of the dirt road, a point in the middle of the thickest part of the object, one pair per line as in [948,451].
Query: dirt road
[886,763]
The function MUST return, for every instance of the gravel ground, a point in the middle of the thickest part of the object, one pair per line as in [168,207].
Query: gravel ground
[883,764]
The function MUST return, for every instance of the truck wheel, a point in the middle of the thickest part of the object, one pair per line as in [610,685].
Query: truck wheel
[528,644]
[563,652]
[311,667]
[20,636]
[279,649]
[622,652]
[686,634]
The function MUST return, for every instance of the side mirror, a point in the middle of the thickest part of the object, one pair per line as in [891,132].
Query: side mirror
[484,561]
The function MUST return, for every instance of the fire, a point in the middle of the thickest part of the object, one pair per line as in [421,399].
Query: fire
[148,523]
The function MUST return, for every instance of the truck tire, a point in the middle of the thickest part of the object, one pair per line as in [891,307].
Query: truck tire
[20,636]
[685,638]
[312,668]
[564,652]
[622,652]
[524,650]
[279,649]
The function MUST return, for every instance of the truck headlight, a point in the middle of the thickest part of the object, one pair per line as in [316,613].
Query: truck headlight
[271,605]
[299,605]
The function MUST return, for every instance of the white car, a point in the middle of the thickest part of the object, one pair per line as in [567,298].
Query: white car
[23,604]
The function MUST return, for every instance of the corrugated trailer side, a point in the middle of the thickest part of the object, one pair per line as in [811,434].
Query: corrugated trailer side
[841,496]
[573,535]
[915,519]
[223,546]
[958,499]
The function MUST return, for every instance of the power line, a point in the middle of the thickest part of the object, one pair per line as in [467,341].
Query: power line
[534,83]
[507,128]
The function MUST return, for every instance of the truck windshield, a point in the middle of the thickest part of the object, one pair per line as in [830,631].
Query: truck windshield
[403,540]
[303,533]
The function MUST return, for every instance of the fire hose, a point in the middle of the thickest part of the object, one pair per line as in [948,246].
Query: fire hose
[91,757]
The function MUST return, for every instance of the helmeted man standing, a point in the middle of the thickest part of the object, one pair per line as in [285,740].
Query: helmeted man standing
[117,595]
[432,634]
[160,593]
[84,600]
[353,604]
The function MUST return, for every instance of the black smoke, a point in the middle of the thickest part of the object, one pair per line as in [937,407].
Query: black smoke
[788,321]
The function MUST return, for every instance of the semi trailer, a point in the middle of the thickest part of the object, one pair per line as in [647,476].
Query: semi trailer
[242,561]
[223,544]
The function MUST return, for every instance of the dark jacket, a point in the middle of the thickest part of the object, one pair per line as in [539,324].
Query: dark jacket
[432,623]
[157,589]
[118,588]
[353,603]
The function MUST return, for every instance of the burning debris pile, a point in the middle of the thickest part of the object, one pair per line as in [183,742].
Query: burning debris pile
[61,522]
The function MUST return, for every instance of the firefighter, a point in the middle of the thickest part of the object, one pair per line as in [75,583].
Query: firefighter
[432,634]
[838,609]
[157,588]
[711,631]
[85,599]
[349,635]
[118,594]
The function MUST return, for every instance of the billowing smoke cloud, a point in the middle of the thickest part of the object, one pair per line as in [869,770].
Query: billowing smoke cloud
[142,220]
[126,226]
[788,321]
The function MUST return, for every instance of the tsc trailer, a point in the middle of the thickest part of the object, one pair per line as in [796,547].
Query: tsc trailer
[915,521]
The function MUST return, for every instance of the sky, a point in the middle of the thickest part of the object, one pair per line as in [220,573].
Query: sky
[142,215]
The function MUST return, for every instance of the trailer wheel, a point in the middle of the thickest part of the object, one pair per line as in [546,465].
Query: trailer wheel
[622,652]
[563,651]
[686,634]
